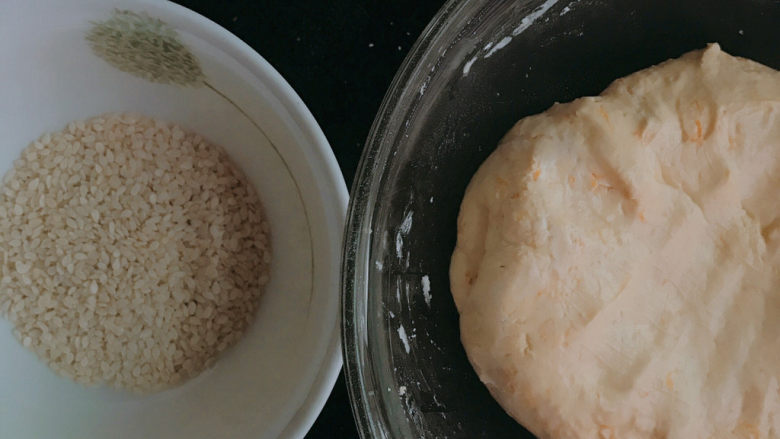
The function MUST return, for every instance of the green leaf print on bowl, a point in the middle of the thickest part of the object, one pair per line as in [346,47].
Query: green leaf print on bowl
[149,48]
[146,47]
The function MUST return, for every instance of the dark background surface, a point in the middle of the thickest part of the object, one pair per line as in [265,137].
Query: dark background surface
[340,58]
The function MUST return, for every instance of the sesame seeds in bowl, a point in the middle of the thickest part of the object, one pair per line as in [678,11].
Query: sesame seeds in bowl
[135,252]
[276,376]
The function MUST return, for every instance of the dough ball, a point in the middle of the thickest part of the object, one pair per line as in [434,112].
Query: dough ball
[617,269]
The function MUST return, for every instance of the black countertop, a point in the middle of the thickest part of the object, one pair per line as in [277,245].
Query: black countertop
[340,57]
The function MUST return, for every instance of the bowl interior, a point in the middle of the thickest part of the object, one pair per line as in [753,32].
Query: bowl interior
[478,69]
[275,380]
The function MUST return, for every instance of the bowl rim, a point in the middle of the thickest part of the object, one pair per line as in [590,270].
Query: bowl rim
[319,154]
[401,99]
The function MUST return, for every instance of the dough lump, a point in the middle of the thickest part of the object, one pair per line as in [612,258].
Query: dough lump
[617,269]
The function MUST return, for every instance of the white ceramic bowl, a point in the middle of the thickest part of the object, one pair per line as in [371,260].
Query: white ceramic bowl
[274,382]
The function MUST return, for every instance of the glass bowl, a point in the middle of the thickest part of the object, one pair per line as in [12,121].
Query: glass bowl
[480,66]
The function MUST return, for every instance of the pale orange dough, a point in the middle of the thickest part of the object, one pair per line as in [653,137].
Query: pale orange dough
[617,270]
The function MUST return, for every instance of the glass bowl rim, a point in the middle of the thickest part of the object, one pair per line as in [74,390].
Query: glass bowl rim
[398,103]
